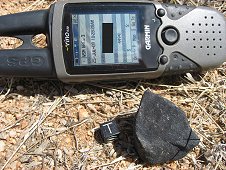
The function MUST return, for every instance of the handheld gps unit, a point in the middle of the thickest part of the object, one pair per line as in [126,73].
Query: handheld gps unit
[106,40]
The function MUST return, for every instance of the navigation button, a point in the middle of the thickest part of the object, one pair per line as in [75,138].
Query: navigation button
[170,36]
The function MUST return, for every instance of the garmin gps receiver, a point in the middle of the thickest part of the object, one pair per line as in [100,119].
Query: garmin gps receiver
[106,40]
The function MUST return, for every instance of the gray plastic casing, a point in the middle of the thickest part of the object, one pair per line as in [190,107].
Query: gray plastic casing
[202,40]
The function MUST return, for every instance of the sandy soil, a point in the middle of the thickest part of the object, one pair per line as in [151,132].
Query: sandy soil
[51,125]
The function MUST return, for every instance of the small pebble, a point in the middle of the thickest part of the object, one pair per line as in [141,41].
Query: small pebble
[63,121]
[24,124]
[12,141]
[12,133]
[118,94]
[69,152]
[130,104]
[25,159]
[109,93]
[39,158]
[2,114]
[18,116]
[82,114]
[23,147]
[18,165]
[90,133]
[53,138]
[92,107]
[113,109]
[9,117]
[68,140]
[2,156]
[2,146]
[3,136]
[59,155]
[173,166]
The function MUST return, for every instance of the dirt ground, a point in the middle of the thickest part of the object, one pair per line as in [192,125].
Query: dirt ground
[51,125]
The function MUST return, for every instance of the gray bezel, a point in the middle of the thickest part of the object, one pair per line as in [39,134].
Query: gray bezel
[58,50]
[199,42]
[186,47]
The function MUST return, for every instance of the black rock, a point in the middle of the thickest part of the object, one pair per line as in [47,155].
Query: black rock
[162,131]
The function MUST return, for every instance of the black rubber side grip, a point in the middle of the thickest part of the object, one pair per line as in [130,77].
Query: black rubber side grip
[26,63]
[175,11]
[25,23]
[179,63]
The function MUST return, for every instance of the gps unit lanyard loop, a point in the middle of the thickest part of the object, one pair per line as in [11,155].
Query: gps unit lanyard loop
[27,60]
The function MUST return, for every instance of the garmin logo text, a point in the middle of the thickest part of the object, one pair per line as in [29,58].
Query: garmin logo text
[67,38]
[147,32]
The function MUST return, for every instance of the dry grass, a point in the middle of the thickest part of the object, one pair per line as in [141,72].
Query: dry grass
[48,124]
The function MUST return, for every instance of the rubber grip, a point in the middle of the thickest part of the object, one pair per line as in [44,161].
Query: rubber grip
[26,63]
[24,23]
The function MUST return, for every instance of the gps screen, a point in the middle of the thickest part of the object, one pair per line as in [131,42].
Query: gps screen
[105,38]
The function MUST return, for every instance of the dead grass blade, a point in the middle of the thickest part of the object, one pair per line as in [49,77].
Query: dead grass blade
[34,128]
[2,98]
[204,110]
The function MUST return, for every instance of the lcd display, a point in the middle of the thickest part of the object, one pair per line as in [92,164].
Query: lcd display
[105,38]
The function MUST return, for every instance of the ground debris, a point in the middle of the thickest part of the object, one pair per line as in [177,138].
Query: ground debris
[65,140]
[82,113]
[2,146]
